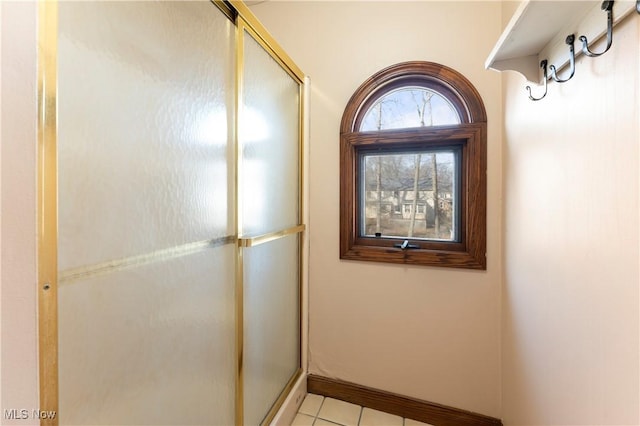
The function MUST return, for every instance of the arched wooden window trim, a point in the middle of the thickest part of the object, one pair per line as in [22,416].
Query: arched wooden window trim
[470,137]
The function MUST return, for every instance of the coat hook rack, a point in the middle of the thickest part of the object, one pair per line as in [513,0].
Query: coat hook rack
[543,65]
[572,61]
[607,6]
[530,37]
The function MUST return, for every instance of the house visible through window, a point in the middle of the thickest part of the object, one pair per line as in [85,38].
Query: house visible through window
[413,169]
[418,181]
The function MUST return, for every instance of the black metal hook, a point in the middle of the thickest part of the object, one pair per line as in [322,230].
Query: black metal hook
[607,5]
[543,65]
[572,61]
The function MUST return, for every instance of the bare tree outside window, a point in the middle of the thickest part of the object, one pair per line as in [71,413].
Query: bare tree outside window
[413,141]
[400,194]
[397,110]
[423,180]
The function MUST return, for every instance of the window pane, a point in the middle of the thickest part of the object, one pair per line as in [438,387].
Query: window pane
[271,327]
[409,107]
[143,146]
[150,345]
[410,195]
[269,142]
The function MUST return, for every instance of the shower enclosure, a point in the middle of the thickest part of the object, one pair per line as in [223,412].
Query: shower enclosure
[171,214]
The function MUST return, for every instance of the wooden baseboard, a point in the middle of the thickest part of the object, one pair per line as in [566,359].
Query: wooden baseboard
[423,411]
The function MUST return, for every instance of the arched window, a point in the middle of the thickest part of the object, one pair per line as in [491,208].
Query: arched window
[413,169]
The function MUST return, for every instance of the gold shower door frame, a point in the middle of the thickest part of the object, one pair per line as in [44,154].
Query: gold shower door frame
[47,200]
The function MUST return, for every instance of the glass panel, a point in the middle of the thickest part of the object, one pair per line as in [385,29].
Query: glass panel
[269,139]
[145,97]
[272,323]
[409,107]
[400,199]
[153,345]
[145,100]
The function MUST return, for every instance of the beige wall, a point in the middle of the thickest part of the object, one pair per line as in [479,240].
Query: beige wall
[570,344]
[19,380]
[570,300]
[425,332]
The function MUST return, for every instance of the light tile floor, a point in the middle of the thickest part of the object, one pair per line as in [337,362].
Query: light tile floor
[317,410]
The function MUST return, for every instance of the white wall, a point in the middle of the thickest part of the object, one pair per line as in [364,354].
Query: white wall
[19,369]
[570,301]
[425,332]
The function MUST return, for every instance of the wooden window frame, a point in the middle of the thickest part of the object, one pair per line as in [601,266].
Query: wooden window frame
[470,137]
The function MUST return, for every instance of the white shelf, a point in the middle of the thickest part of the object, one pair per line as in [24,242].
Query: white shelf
[538,30]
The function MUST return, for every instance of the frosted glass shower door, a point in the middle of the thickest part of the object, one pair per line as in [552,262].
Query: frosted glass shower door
[146,247]
[270,197]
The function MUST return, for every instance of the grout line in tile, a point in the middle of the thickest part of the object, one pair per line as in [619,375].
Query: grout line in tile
[324,398]
[316,417]
[327,421]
